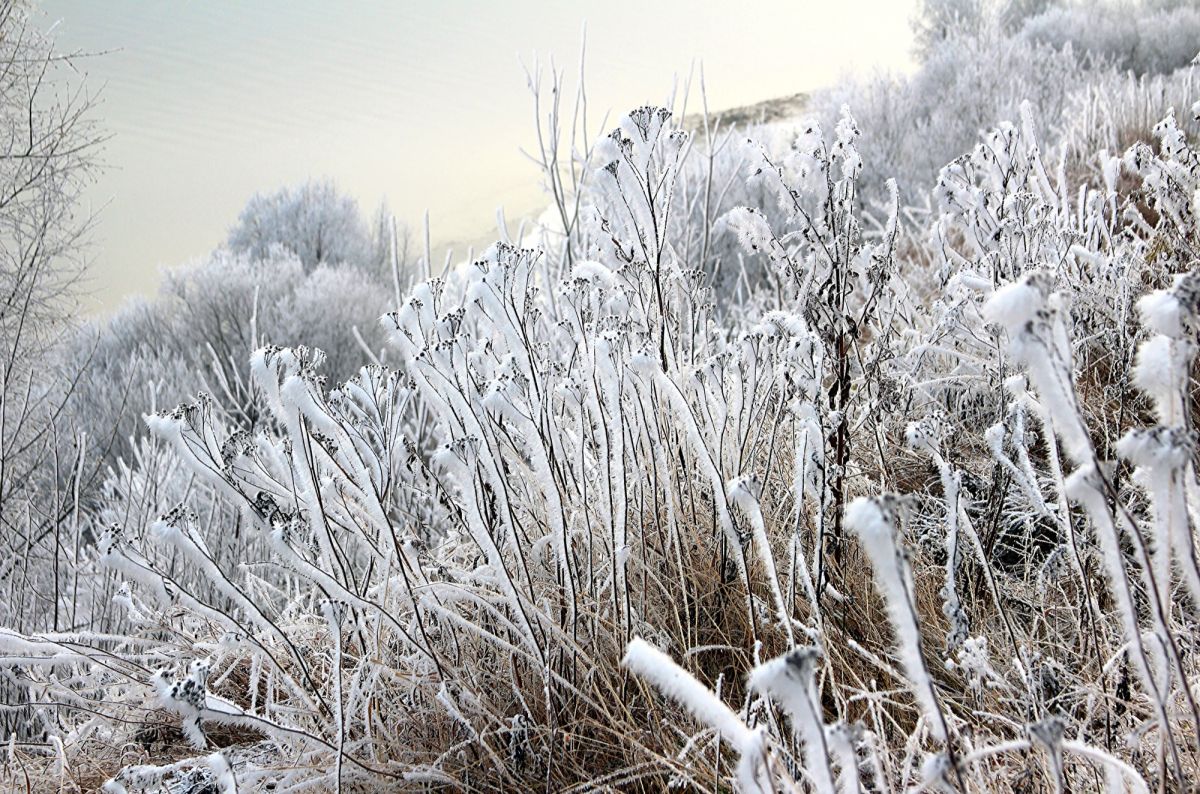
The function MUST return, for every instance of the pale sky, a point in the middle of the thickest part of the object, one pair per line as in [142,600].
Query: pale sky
[422,103]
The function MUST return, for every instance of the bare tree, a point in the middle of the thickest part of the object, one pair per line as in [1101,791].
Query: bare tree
[49,148]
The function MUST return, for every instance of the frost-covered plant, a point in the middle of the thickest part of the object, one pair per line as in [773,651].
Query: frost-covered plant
[1004,214]
[1143,38]
[914,124]
[1085,67]
[197,334]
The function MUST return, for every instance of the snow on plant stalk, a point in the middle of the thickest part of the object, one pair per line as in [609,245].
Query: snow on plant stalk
[744,492]
[875,523]
[646,661]
[1163,455]
[925,436]
[842,739]
[1038,339]
[607,372]
[790,681]
[333,613]
[807,478]
[1086,486]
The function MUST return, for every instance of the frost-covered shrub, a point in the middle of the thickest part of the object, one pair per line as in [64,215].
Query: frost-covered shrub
[1145,38]
[201,328]
[195,337]
[937,21]
[1067,316]
[709,181]
[1119,110]
[913,125]
[1071,61]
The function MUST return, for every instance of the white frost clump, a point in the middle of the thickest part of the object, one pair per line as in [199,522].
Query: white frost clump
[645,660]
[975,662]
[210,773]
[591,269]
[187,698]
[790,680]
[1172,312]
[873,520]
[1014,305]
[1161,371]
[1161,313]
[751,227]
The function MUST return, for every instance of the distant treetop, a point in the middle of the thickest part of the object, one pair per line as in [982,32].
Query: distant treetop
[314,221]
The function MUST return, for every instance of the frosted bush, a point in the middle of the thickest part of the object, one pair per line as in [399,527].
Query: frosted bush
[916,124]
[1143,38]
[1099,73]
[197,334]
